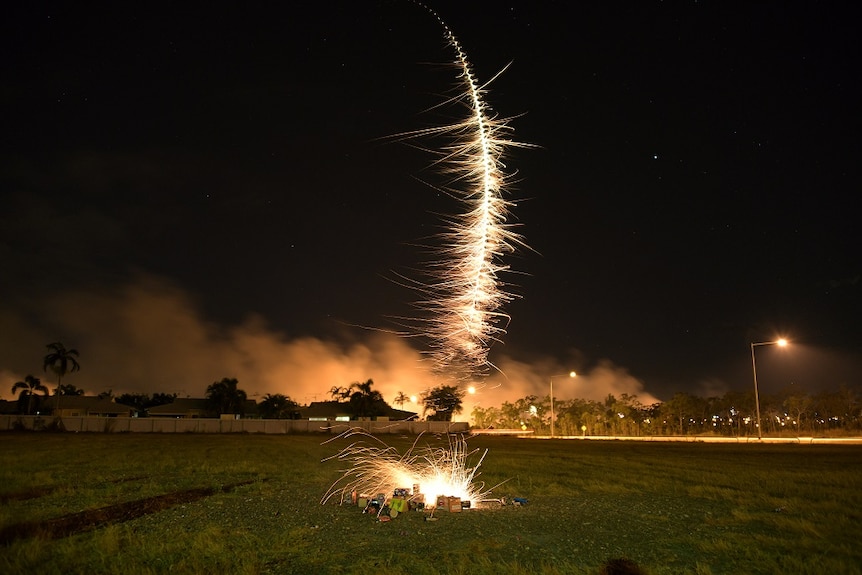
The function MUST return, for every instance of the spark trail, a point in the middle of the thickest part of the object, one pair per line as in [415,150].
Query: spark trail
[463,297]
[464,294]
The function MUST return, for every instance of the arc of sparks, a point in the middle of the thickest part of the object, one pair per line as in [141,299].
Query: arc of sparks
[378,468]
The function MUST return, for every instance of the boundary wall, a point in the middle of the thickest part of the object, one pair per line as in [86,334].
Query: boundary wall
[202,425]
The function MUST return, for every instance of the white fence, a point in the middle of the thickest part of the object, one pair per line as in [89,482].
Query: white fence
[273,426]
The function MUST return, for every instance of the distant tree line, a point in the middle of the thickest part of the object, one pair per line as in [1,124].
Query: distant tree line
[788,413]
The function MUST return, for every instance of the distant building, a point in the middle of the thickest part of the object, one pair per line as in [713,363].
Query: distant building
[326,411]
[340,411]
[192,407]
[83,406]
[182,407]
[8,407]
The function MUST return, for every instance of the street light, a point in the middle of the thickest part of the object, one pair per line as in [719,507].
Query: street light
[780,343]
[570,374]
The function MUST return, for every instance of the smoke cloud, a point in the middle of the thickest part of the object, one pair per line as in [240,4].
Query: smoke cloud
[149,336]
[518,379]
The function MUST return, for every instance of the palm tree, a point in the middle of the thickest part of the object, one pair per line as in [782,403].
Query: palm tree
[365,402]
[401,399]
[29,387]
[226,397]
[61,361]
[339,393]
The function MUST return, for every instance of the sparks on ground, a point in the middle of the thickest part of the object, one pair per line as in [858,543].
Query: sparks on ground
[378,468]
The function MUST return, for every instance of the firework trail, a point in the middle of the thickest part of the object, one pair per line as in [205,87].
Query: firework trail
[462,299]
[380,469]
[464,295]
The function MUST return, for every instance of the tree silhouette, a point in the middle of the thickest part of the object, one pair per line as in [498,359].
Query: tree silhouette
[338,393]
[366,402]
[28,388]
[444,402]
[161,399]
[69,389]
[277,406]
[142,401]
[225,396]
[61,361]
[401,399]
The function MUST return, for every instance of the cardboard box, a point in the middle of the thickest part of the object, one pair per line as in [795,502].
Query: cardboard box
[398,504]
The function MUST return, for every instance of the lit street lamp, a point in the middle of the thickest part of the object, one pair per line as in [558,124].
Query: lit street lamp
[780,343]
[570,374]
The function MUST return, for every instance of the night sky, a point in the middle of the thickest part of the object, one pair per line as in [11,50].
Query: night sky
[191,192]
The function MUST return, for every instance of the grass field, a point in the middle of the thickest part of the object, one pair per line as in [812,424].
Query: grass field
[142,503]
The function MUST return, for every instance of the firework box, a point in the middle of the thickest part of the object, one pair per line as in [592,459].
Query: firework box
[398,504]
[362,502]
[451,504]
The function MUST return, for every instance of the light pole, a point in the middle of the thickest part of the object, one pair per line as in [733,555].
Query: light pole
[780,343]
[570,374]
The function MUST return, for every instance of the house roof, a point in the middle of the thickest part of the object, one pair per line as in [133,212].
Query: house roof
[333,409]
[88,403]
[327,409]
[183,405]
[401,415]
[180,406]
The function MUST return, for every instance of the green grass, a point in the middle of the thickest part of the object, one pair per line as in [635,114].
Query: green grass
[670,507]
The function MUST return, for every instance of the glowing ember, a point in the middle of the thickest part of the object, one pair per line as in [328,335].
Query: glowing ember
[436,471]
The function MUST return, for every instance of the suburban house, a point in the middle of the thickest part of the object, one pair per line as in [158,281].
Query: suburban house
[84,406]
[340,411]
[8,407]
[189,407]
[192,407]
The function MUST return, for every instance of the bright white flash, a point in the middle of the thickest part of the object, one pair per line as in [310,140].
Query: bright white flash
[464,295]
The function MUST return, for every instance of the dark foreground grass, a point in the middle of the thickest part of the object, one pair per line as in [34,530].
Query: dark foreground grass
[251,504]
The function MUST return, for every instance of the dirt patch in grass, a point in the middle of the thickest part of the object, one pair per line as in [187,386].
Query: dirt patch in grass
[33,493]
[91,519]
[37,492]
